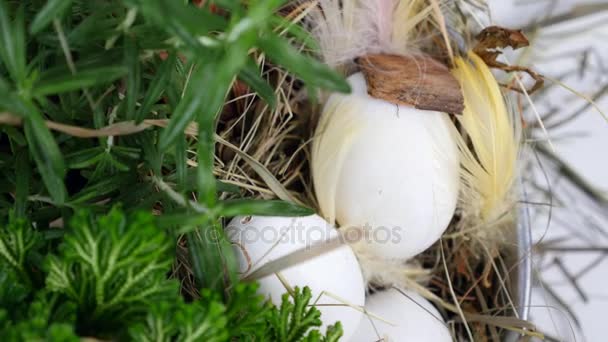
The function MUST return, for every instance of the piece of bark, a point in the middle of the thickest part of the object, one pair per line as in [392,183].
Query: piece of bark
[418,81]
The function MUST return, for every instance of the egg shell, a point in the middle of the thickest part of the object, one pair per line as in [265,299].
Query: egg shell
[414,319]
[392,170]
[259,240]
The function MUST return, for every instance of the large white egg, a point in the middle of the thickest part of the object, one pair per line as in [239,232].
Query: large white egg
[259,240]
[390,169]
[411,318]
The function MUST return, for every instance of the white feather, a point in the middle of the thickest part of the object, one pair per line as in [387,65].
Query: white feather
[349,29]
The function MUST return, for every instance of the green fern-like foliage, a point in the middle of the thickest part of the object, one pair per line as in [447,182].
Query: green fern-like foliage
[108,279]
[295,320]
[37,321]
[112,268]
[199,321]
[26,315]
[245,318]
[12,290]
[333,334]
[247,313]
[17,239]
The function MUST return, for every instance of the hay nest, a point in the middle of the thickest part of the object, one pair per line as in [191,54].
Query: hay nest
[266,153]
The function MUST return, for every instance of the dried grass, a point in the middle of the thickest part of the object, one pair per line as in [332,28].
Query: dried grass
[475,292]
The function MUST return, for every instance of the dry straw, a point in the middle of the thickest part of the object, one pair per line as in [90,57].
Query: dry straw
[467,275]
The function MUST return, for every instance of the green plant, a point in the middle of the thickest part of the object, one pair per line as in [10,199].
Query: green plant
[107,279]
[95,97]
[112,269]
[292,321]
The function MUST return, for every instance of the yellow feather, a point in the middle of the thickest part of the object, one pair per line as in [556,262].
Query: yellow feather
[408,17]
[489,160]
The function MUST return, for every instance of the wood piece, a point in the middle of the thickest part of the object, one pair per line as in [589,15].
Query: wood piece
[418,81]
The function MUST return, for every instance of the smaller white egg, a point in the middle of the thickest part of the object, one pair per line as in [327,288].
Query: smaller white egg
[259,240]
[412,317]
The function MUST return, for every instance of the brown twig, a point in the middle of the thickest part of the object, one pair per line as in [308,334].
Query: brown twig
[493,38]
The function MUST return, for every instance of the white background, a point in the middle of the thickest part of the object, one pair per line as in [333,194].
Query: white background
[588,154]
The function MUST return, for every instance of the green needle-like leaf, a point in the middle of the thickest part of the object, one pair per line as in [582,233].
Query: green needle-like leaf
[53,9]
[133,76]
[263,208]
[213,260]
[311,71]
[82,79]
[204,96]
[156,87]
[22,188]
[46,153]
[182,20]
[251,75]
[84,158]
[12,43]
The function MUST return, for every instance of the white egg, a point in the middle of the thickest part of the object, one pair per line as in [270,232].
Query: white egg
[390,169]
[259,240]
[411,318]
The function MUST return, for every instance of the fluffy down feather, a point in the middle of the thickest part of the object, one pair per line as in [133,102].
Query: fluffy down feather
[349,29]
[490,161]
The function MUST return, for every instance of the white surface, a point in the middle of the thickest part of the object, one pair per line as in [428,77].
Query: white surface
[411,318]
[260,240]
[557,50]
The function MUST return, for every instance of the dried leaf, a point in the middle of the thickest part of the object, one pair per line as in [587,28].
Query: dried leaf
[492,39]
